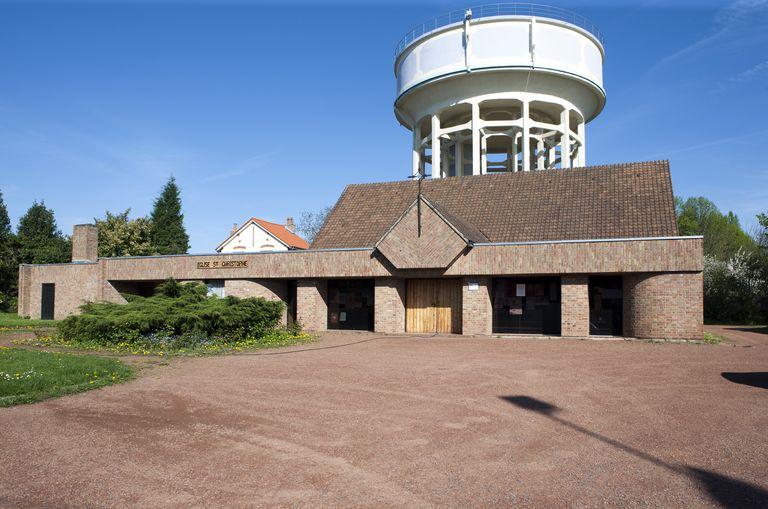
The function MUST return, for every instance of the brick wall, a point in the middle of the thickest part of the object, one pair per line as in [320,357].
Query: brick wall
[575,305]
[111,294]
[24,290]
[270,289]
[278,264]
[85,243]
[664,306]
[659,255]
[679,255]
[477,314]
[389,305]
[75,284]
[311,305]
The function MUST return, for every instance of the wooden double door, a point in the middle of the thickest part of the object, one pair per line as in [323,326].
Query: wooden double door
[433,305]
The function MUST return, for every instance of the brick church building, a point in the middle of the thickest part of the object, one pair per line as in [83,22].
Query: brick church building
[575,252]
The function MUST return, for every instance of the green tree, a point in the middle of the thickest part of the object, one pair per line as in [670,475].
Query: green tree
[723,236]
[168,233]
[733,289]
[762,240]
[762,232]
[121,236]
[39,239]
[9,270]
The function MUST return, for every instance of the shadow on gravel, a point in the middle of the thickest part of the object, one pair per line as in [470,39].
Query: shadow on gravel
[753,379]
[756,330]
[726,491]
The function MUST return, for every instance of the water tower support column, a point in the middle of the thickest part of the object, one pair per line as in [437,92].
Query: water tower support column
[526,136]
[416,153]
[476,139]
[581,158]
[458,161]
[540,154]
[436,157]
[515,151]
[565,140]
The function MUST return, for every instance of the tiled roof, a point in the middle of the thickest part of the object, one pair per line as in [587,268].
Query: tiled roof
[282,234]
[278,231]
[469,231]
[597,202]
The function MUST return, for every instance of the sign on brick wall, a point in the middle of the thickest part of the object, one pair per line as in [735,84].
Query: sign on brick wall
[226,264]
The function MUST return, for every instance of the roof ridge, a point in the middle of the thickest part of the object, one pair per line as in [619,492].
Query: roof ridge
[654,163]
[265,221]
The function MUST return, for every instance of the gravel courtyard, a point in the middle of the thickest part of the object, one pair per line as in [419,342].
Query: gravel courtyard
[379,421]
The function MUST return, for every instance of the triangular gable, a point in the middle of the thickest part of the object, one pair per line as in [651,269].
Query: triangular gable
[440,243]
[251,221]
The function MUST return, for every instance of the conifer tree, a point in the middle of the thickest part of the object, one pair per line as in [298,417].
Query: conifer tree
[8,265]
[168,233]
[39,239]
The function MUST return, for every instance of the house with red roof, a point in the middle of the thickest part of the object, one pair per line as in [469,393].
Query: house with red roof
[256,235]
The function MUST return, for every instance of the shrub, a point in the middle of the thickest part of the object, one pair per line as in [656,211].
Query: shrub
[178,313]
[733,289]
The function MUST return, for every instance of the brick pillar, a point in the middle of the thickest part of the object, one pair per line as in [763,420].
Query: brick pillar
[476,311]
[311,305]
[24,290]
[85,243]
[575,305]
[389,305]
[664,306]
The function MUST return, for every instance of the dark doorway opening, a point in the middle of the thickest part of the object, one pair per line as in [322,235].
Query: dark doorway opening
[606,305]
[139,288]
[350,304]
[526,305]
[47,301]
[290,301]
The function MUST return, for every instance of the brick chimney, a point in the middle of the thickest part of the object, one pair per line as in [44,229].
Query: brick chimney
[290,225]
[85,243]
[234,229]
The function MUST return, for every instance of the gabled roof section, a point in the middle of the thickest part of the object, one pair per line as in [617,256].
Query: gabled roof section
[629,200]
[282,234]
[468,231]
[463,229]
[278,231]
[437,245]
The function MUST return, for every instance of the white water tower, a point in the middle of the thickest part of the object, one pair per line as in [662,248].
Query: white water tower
[499,88]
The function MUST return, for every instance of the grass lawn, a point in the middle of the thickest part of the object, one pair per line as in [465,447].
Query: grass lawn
[27,376]
[12,321]
[273,339]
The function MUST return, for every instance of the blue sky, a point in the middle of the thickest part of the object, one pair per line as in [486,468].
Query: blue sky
[267,110]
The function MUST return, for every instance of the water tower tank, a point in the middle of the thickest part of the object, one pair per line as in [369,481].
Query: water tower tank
[499,88]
